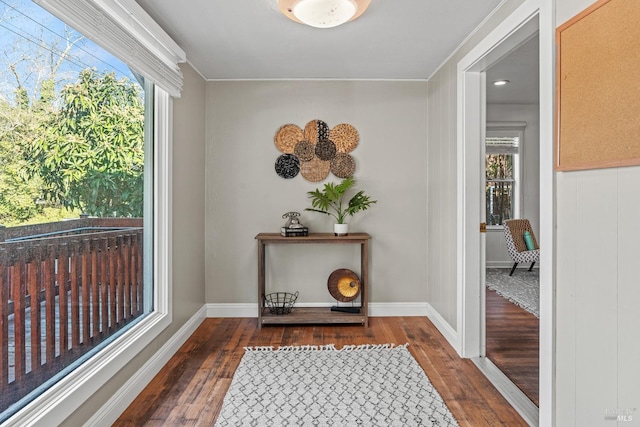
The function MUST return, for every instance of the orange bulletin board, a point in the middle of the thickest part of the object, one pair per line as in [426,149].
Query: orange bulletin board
[598,87]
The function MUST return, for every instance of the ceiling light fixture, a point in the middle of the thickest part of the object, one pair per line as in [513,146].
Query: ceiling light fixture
[323,13]
[500,82]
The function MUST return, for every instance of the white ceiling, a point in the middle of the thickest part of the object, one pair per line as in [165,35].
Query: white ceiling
[250,39]
[521,68]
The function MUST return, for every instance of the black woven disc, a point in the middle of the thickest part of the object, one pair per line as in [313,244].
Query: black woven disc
[287,166]
[325,150]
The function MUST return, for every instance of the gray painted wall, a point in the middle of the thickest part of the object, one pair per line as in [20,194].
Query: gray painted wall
[441,227]
[188,239]
[245,196]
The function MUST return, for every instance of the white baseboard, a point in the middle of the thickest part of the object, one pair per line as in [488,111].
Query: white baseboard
[114,407]
[509,390]
[386,309]
[509,264]
[444,327]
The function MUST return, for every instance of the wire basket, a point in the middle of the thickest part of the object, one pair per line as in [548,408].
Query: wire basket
[280,302]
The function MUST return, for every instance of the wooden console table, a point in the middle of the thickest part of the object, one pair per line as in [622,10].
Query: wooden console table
[315,315]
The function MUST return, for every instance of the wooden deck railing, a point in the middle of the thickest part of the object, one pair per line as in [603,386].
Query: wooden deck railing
[60,297]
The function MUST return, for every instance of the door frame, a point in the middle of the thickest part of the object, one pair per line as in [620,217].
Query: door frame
[531,17]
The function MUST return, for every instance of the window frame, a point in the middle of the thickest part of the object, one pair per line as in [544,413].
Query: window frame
[510,129]
[55,404]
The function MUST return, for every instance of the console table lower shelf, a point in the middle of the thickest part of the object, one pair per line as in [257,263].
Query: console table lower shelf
[312,315]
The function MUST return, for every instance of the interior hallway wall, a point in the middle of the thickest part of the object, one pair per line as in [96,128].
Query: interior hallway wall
[597,292]
[245,196]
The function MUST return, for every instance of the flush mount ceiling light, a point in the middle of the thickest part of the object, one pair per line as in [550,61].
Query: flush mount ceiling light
[322,13]
[500,82]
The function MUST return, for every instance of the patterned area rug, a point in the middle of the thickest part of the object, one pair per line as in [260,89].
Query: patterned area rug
[367,385]
[522,289]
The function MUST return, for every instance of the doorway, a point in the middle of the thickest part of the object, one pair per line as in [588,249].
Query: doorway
[512,33]
[512,191]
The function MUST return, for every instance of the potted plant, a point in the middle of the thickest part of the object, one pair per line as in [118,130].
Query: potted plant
[331,201]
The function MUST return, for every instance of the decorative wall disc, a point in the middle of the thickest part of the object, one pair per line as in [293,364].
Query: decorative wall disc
[287,137]
[316,151]
[325,150]
[315,170]
[305,150]
[345,137]
[344,285]
[343,165]
[287,166]
[316,131]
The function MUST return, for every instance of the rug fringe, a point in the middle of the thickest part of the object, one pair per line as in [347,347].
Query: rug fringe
[331,347]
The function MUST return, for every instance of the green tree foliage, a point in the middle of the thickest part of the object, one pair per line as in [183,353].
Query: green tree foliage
[19,195]
[89,152]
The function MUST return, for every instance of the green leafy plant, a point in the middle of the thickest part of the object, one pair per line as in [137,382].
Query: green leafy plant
[331,200]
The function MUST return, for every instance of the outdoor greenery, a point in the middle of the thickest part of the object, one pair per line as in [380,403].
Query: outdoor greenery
[330,201]
[71,136]
[499,188]
[81,151]
[89,153]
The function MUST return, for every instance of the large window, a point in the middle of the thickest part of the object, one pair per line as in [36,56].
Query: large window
[76,202]
[503,174]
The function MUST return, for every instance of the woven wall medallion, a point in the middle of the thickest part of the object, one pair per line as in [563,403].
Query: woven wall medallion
[287,137]
[315,170]
[287,166]
[343,165]
[316,131]
[305,150]
[345,137]
[325,150]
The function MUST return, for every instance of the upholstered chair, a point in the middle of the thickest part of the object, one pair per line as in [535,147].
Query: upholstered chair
[514,230]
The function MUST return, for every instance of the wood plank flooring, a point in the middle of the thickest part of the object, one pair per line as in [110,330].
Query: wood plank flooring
[190,389]
[513,340]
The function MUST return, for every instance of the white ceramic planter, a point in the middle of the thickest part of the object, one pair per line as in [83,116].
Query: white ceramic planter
[340,229]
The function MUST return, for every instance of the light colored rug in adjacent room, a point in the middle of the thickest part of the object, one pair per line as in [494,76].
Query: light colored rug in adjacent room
[522,289]
[366,385]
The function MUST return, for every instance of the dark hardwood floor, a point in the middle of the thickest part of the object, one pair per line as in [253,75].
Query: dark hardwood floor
[513,339]
[190,389]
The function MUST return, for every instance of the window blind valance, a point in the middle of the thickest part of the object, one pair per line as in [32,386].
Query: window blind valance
[124,29]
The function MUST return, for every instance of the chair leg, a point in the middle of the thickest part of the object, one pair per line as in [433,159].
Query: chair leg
[515,264]
[532,264]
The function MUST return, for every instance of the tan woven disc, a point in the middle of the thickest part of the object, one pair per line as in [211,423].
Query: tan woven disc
[315,170]
[345,137]
[287,137]
[316,131]
[343,165]
[305,150]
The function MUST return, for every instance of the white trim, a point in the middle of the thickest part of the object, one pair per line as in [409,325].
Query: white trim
[509,264]
[56,403]
[516,398]
[517,28]
[444,327]
[481,57]
[123,28]
[547,214]
[230,310]
[116,405]
[376,309]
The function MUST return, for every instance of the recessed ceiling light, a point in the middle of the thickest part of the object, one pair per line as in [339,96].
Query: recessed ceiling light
[500,82]
[322,13]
